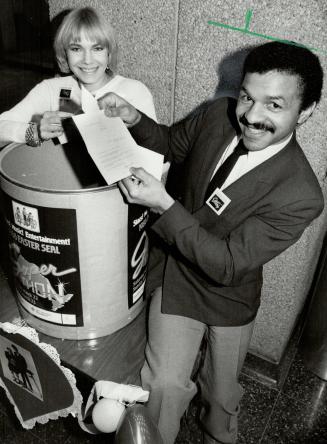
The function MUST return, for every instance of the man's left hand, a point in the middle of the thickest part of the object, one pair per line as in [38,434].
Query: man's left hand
[144,189]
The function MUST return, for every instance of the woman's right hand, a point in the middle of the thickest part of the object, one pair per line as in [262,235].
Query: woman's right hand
[50,124]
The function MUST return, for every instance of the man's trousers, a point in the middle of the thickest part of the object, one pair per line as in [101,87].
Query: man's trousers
[171,351]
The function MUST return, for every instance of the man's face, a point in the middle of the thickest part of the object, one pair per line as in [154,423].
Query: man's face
[268,108]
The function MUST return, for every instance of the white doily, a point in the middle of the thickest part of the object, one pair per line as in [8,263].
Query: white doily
[19,326]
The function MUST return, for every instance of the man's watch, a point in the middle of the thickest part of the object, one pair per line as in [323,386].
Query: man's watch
[32,137]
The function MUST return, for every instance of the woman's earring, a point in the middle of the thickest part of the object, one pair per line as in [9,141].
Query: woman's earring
[108,64]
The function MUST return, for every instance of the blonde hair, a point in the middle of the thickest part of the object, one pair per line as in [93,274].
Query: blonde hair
[95,27]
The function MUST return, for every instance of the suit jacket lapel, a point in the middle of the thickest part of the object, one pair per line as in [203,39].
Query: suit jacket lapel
[262,173]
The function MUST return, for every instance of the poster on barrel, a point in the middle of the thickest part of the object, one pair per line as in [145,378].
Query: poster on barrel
[43,249]
[138,252]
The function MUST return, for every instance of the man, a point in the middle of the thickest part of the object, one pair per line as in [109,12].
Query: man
[21,368]
[222,229]
[12,364]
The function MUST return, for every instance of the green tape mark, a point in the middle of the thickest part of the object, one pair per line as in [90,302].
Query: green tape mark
[245,30]
[248,17]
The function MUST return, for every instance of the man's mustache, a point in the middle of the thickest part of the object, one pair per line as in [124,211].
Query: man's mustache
[256,125]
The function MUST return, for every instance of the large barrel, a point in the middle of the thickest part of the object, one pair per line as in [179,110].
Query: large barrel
[78,251]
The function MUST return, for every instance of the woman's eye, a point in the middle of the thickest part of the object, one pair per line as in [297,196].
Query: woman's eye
[74,48]
[99,48]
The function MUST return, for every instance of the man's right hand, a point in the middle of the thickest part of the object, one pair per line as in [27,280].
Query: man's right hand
[115,106]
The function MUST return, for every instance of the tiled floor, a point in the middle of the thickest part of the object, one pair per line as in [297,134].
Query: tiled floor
[295,414]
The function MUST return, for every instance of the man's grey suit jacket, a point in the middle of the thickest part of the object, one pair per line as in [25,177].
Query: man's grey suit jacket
[212,270]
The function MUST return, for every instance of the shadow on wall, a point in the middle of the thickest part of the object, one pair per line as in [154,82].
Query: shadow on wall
[230,73]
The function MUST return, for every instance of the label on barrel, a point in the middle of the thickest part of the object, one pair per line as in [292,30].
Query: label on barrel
[43,249]
[138,251]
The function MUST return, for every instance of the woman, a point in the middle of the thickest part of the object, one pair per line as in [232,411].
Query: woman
[85,47]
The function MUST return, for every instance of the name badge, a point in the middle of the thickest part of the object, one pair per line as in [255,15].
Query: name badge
[65,93]
[218,201]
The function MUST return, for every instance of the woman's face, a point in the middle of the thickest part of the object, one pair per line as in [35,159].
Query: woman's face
[88,60]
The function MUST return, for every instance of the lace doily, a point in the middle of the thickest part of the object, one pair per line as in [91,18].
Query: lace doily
[18,325]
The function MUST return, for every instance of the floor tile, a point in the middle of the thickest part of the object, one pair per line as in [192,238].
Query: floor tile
[256,407]
[60,431]
[79,436]
[54,431]
[272,374]
[190,432]
[303,385]
[295,422]
[11,432]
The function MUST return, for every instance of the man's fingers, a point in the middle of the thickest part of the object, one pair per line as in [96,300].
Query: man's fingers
[140,174]
[123,111]
[110,100]
[115,106]
[112,112]
[123,185]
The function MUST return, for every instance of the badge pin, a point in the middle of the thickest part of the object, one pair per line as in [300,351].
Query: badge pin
[218,201]
[65,93]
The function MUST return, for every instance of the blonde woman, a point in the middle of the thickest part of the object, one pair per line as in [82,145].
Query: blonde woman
[86,50]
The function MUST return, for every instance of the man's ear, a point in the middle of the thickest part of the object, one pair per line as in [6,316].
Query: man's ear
[306,113]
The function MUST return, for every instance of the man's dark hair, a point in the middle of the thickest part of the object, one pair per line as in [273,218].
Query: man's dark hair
[291,59]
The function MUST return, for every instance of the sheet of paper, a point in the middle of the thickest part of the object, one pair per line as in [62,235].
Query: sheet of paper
[89,102]
[63,139]
[151,161]
[113,149]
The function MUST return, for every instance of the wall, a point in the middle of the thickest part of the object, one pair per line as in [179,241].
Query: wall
[184,61]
